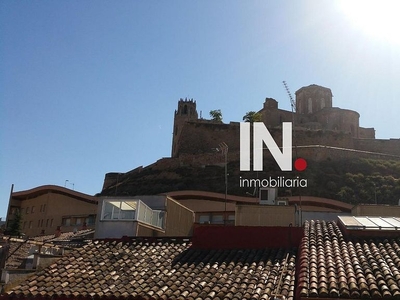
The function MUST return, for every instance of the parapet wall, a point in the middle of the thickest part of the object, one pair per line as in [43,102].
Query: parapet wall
[391,146]
[376,210]
[321,152]
[231,237]
[366,133]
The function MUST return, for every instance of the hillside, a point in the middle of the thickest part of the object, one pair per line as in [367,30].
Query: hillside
[349,180]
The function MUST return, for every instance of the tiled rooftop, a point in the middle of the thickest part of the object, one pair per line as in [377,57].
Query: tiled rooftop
[65,236]
[330,266]
[164,269]
[19,251]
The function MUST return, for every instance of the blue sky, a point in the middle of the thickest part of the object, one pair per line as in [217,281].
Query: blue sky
[90,87]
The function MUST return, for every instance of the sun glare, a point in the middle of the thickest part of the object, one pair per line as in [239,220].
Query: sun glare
[375,18]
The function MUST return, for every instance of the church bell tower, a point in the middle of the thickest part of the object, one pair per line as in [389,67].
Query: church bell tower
[186,112]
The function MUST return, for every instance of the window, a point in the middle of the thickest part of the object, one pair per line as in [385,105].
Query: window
[78,221]
[27,210]
[119,210]
[217,219]
[32,209]
[204,219]
[47,223]
[145,213]
[90,220]
[158,218]
[66,222]
[41,223]
[231,220]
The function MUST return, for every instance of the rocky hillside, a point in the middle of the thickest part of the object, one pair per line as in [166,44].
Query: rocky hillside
[349,180]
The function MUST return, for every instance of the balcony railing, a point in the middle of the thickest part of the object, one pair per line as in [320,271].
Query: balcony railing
[131,210]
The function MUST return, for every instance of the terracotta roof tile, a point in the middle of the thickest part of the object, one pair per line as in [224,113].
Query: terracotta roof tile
[19,251]
[162,270]
[332,266]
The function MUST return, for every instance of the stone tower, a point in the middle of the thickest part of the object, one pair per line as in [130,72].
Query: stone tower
[186,112]
[313,98]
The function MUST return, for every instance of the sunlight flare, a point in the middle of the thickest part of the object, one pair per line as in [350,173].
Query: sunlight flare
[377,19]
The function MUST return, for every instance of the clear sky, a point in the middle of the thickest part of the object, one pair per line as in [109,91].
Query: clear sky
[90,87]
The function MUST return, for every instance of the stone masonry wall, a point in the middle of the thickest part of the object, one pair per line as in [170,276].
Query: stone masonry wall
[201,138]
[391,146]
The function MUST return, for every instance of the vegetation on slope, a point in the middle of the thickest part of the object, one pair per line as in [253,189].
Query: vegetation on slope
[351,181]
[357,181]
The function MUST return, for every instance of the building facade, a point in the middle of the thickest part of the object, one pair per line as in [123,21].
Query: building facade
[46,209]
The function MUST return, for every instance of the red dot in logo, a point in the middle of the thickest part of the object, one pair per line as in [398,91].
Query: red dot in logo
[300,164]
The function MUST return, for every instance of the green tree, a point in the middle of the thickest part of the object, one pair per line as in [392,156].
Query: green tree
[216,115]
[15,225]
[252,116]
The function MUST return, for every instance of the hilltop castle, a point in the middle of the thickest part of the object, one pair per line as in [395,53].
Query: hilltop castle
[316,122]
[314,111]
[322,132]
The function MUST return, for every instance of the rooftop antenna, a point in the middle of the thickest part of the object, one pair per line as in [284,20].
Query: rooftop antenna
[293,105]
[292,102]
[294,109]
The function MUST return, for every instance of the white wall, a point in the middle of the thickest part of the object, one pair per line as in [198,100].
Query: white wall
[115,229]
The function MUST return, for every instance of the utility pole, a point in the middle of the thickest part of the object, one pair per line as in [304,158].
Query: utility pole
[294,109]
[223,147]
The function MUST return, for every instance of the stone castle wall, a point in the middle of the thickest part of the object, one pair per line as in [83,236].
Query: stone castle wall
[202,138]
[339,120]
[273,116]
[320,153]
[391,146]
[316,120]
[366,133]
